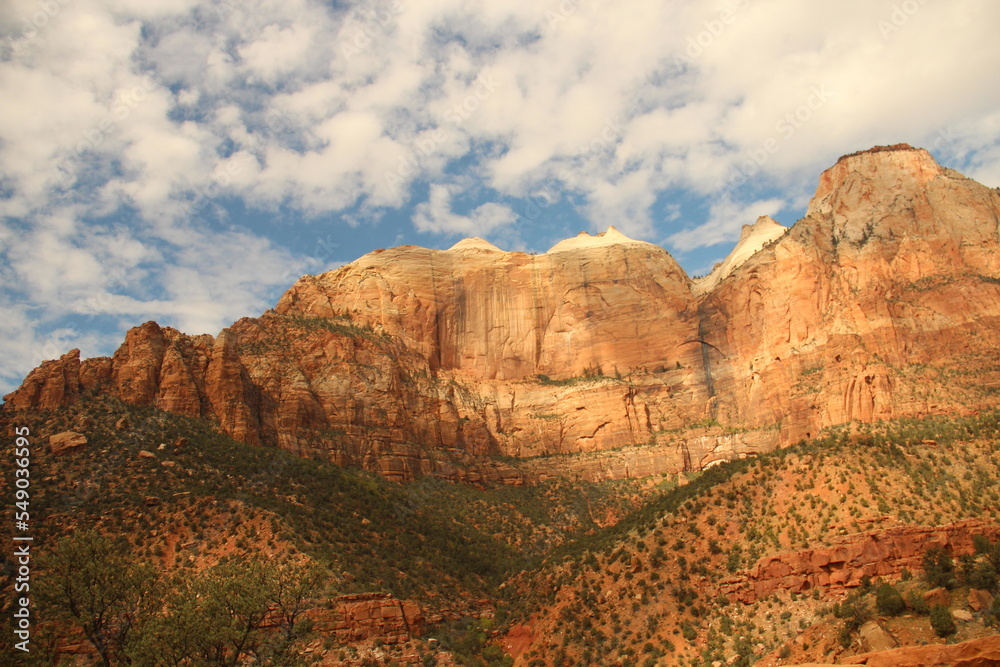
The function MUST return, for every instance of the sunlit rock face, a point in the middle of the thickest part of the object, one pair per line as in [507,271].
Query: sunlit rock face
[883,301]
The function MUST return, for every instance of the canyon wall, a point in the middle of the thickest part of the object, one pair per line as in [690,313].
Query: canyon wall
[883,301]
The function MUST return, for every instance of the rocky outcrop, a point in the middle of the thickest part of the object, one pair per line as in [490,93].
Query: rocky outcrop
[843,565]
[416,361]
[752,238]
[66,442]
[60,382]
[892,274]
[372,617]
[685,453]
[983,652]
[591,303]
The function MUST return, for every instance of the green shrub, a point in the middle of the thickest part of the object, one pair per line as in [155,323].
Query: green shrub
[942,621]
[888,600]
[939,568]
[984,577]
[982,544]
[916,602]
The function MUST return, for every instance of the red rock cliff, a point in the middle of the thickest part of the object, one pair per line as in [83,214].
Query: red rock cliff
[413,360]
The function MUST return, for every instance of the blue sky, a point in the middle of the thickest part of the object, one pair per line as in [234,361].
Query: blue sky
[186,161]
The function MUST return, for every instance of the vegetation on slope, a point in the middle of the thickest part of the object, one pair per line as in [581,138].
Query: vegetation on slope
[185,498]
[594,577]
[645,591]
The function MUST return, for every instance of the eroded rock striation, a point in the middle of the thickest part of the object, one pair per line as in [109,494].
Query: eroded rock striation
[981,652]
[371,616]
[418,361]
[880,553]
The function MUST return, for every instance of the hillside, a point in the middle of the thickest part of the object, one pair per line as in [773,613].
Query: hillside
[579,457]
[748,563]
[184,497]
[765,560]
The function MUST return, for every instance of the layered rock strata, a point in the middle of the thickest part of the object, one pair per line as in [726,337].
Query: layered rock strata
[843,565]
[883,301]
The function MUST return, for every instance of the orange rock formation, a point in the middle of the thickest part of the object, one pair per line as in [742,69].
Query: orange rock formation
[411,360]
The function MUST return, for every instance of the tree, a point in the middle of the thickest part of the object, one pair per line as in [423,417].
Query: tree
[942,621]
[855,612]
[939,568]
[292,589]
[888,600]
[233,600]
[95,583]
[245,608]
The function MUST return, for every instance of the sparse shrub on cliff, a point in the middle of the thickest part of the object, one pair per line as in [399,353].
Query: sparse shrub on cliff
[888,600]
[939,568]
[855,612]
[942,622]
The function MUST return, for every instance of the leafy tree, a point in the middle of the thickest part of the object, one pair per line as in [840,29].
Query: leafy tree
[855,612]
[97,585]
[292,591]
[888,600]
[942,621]
[241,609]
[939,568]
[983,576]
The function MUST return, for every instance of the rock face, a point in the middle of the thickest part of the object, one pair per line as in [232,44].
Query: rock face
[66,442]
[417,361]
[984,652]
[889,279]
[373,616]
[752,238]
[841,566]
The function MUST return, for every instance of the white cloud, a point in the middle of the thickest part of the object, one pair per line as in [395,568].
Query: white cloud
[725,220]
[684,94]
[163,106]
[435,215]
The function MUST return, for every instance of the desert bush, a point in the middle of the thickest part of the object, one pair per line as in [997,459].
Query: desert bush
[939,568]
[888,600]
[942,621]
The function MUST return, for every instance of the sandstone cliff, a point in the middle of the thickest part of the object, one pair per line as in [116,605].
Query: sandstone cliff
[752,238]
[875,554]
[863,310]
[877,304]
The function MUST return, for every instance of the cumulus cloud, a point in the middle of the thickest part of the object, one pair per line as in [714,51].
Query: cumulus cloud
[159,112]
[328,107]
[436,215]
[726,219]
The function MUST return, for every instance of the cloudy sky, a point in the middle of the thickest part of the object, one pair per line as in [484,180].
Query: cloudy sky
[186,161]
